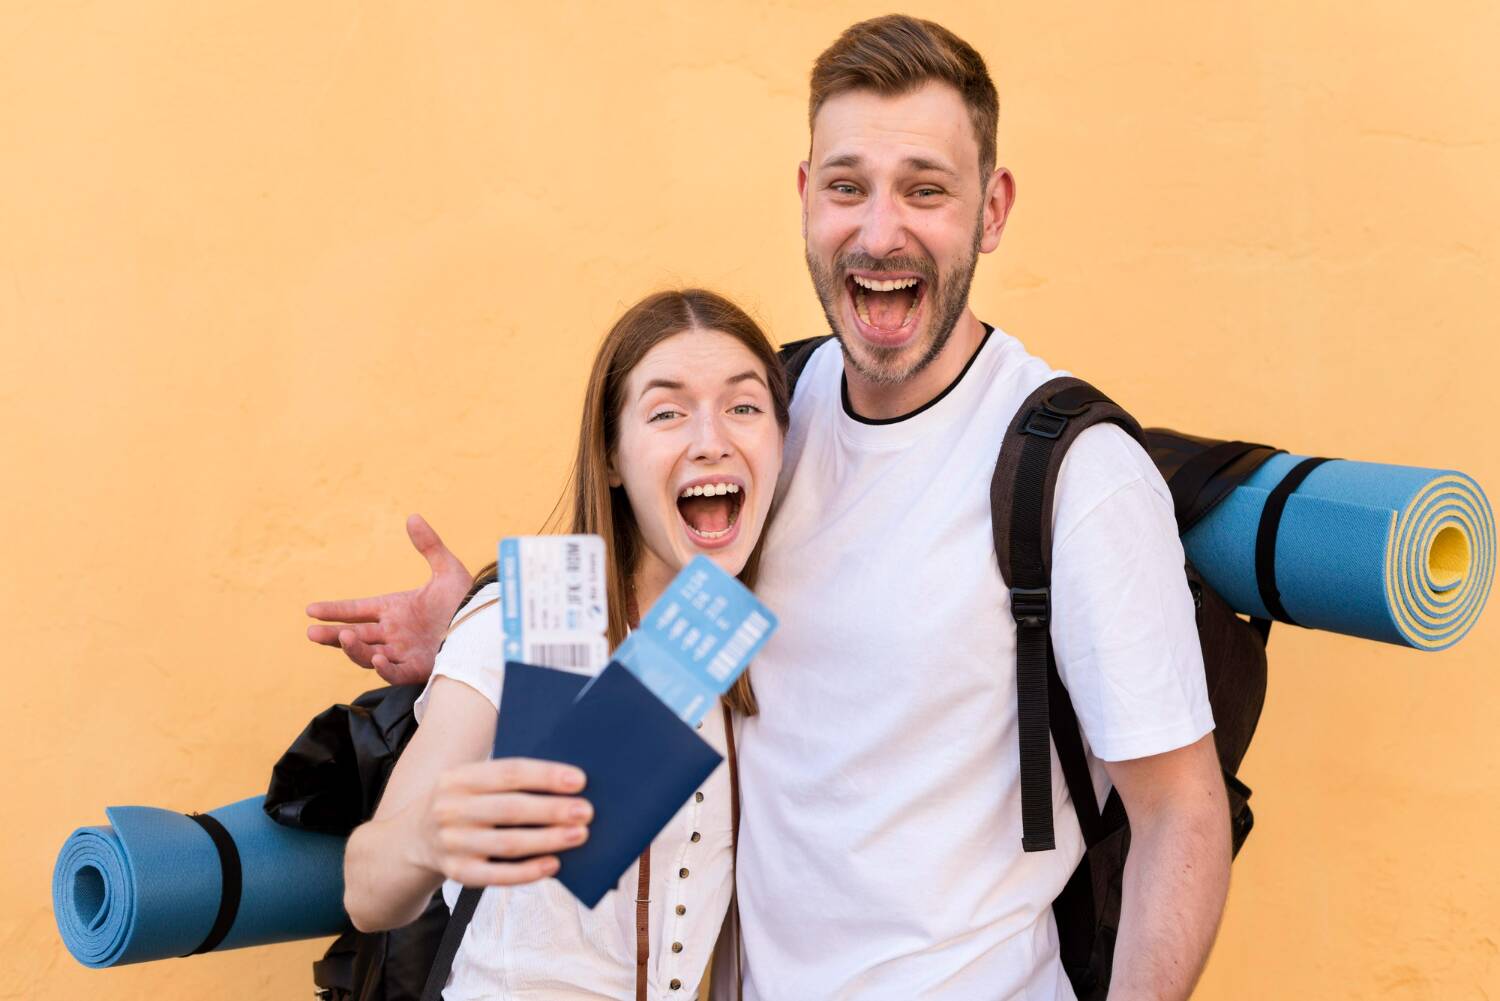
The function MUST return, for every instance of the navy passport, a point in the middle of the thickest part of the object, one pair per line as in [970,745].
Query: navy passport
[641,760]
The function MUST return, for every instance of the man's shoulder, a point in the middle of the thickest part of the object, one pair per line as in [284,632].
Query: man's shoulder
[1106,464]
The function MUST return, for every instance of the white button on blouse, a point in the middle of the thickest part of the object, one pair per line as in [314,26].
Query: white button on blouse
[535,942]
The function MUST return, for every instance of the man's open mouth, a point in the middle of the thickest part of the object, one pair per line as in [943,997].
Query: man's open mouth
[886,305]
[710,508]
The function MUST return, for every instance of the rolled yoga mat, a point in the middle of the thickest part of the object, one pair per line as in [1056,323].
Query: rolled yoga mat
[1392,553]
[151,884]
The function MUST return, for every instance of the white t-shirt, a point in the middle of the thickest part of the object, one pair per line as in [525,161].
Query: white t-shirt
[537,942]
[880,841]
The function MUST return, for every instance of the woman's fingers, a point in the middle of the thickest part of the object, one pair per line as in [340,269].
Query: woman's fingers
[483,814]
[515,775]
[506,843]
[514,809]
[477,872]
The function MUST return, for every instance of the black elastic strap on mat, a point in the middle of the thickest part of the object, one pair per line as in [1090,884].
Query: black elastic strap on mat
[453,934]
[1188,481]
[1265,538]
[229,867]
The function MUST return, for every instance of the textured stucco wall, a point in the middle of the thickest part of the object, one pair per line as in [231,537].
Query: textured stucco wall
[274,275]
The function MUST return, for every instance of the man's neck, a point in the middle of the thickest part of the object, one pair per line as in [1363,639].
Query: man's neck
[883,401]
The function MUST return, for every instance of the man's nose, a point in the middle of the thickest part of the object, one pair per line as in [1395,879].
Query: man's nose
[710,439]
[883,229]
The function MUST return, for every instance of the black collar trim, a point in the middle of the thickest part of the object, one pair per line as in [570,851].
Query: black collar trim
[849,408]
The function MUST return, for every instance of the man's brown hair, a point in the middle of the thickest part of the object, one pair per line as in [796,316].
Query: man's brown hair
[896,54]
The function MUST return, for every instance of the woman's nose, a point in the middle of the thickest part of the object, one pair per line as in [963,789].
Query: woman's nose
[710,439]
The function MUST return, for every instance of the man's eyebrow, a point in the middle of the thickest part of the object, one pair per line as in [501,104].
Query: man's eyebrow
[922,163]
[911,163]
[842,160]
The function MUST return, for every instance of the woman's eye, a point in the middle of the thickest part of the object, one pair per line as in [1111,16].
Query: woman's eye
[745,409]
[662,415]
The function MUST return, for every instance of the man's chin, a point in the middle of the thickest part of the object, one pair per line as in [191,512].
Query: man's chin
[885,363]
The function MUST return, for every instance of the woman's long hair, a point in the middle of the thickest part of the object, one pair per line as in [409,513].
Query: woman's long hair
[598,508]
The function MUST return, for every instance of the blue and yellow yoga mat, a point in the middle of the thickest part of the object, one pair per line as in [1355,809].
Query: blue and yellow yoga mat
[151,885]
[1392,553]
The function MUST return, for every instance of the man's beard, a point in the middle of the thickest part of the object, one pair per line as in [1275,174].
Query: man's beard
[946,302]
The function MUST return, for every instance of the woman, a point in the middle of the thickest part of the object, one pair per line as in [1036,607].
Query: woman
[678,454]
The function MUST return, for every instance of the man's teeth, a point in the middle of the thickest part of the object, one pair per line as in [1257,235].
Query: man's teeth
[876,285]
[710,490]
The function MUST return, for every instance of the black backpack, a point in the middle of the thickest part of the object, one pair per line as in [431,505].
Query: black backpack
[330,780]
[1199,472]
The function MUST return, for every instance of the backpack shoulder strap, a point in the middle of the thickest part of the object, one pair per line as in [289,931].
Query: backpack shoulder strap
[795,356]
[1021,496]
[453,934]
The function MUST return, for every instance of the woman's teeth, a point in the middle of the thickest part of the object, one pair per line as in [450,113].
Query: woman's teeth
[710,509]
[711,490]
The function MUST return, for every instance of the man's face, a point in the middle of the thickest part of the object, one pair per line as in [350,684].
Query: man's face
[895,214]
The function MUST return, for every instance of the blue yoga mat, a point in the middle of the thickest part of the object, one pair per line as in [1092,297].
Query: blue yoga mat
[148,885]
[1392,553]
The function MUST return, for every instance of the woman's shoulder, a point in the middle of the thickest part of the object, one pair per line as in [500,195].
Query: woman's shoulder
[472,651]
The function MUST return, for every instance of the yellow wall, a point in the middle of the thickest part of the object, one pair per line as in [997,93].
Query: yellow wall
[274,275]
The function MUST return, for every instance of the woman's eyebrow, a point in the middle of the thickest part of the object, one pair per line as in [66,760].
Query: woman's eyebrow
[660,384]
[673,384]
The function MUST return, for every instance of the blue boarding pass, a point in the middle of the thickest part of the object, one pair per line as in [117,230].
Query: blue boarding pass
[696,639]
[553,602]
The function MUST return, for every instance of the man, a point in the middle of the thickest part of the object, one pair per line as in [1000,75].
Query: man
[880,846]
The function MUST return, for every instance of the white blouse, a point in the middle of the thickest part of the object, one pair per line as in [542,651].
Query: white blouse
[535,942]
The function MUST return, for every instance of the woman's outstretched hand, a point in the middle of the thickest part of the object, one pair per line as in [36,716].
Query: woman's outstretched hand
[490,823]
[398,634]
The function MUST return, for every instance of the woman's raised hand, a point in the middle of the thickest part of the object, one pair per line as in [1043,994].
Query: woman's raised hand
[398,634]
[492,823]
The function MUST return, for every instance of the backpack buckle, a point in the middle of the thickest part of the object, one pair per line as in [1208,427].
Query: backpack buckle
[1031,606]
[1043,423]
[1049,419]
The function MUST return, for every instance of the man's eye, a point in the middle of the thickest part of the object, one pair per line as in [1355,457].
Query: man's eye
[928,192]
[845,189]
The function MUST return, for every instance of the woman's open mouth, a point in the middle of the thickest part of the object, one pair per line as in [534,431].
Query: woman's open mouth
[710,510]
[887,307]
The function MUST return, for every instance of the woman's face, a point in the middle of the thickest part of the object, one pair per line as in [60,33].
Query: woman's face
[698,452]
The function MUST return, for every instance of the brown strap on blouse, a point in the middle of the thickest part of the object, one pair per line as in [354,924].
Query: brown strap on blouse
[643,886]
[643,925]
[734,821]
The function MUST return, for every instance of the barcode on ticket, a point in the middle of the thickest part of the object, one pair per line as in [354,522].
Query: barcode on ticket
[568,656]
[745,637]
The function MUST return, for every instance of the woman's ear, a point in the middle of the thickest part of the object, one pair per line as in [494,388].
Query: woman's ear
[614,475]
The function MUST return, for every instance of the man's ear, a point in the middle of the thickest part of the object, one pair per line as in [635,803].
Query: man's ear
[999,197]
[802,170]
